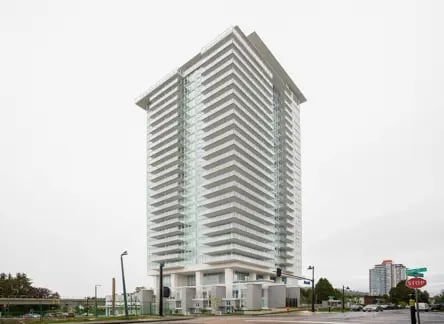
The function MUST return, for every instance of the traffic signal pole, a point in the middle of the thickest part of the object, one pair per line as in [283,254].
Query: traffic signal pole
[279,273]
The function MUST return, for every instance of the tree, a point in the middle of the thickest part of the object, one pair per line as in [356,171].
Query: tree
[439,298]
[402,293]
[323,289]
[21,286]
[423,296]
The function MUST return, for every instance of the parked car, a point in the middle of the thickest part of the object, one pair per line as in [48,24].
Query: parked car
[356,308]
[31,315]
[372,308]
[436,307]
[423,307]
[392,306]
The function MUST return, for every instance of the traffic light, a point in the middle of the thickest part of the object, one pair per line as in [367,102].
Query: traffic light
[166,292]
[278,272]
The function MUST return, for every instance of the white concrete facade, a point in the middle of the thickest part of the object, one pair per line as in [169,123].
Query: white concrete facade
[224,168]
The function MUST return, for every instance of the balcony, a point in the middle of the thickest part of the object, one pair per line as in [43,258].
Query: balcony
[242,47]
[235,143]
[165,216]
[164,141]
[173,196]
[235,257]
[236,184]
[233,160]
[260,150]
[238,249]
[238,219]
[166,172]
[171,128]
[223,100]
[167,224]
[166,207]
[235,196]
[266,87]
[255,93]
[154,129]
[160,190]
[166,147]
[236,238]
[241,176]
[167,257]
[164,92]
[218,79]
[174,248]
[250,97]
[214,60]
[167,157]
[168,232]
[165,108]
[239,229]
[167,240]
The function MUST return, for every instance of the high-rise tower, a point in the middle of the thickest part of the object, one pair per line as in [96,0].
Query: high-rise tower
[224,168]
[385,276]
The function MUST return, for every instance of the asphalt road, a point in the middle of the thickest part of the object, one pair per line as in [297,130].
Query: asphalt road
[386,317]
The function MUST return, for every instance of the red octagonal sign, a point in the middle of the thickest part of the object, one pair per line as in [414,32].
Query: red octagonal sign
[415,283]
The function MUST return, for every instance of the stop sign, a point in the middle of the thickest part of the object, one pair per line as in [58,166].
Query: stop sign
[416,283]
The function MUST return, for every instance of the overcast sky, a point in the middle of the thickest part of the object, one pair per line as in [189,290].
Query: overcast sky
[72,141]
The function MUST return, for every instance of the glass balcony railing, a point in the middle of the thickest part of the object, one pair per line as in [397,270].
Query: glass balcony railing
[167,224]
[236,238]
[234,257]
[241,249]
[167,240]
[240,229]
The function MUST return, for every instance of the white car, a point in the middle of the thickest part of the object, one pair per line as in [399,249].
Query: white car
[372,308]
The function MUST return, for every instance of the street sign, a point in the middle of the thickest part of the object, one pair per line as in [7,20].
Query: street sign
[415,274]
[416,283]
[307,282]
[416,270]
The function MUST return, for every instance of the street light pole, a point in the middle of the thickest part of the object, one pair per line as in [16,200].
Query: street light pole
[312,268]
[343,297]
[123,282]
[95,298]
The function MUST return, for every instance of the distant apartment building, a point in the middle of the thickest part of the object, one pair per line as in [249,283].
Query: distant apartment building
[224,172]
[385,276]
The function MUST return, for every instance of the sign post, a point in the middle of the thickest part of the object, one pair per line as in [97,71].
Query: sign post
[417,308]
[415,283]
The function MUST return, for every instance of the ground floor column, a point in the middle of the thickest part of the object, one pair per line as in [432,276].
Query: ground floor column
[229,278]
[199,283]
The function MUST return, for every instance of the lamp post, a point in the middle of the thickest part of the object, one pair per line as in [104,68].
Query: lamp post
[95,299]
[123,282]
[343,297]
[312,268]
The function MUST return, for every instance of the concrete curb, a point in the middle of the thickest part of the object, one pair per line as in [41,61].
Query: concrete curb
[143,320]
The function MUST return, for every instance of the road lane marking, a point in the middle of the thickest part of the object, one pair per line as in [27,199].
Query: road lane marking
[296,321]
